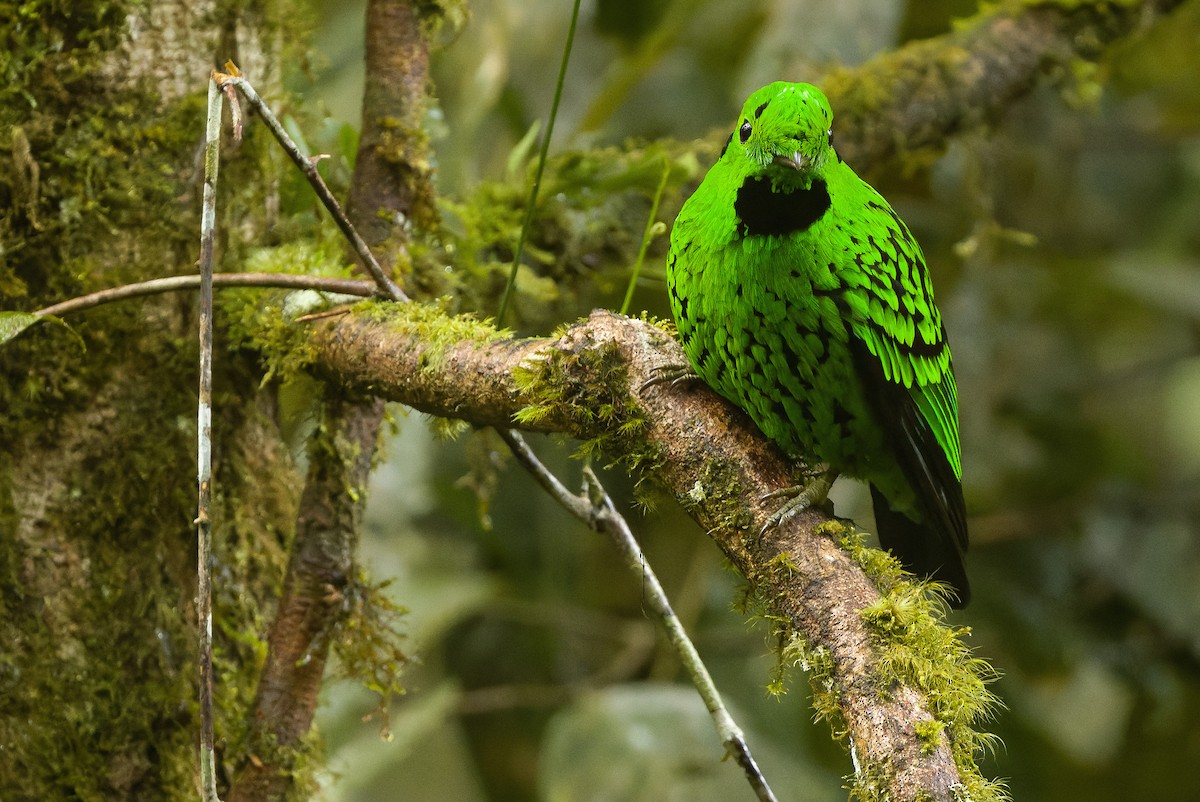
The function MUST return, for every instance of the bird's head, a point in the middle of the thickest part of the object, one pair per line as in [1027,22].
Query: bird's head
[784,131]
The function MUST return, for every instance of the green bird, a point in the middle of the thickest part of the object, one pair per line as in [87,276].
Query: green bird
[803,298]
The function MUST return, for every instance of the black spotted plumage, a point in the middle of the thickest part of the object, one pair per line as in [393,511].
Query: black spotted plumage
[802,297]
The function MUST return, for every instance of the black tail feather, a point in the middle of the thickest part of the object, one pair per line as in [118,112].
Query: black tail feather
[925,550]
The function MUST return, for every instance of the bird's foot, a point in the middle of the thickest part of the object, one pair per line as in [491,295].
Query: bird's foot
[814,490]
[672,374]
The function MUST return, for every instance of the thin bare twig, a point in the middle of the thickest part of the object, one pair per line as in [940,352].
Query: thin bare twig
[212,151]
[578,506]
[597,510]
[308,165]
[155,286]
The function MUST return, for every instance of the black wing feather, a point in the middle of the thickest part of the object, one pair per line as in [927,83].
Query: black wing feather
[936,545]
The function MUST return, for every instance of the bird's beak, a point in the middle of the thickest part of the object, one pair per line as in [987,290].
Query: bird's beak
[796,161]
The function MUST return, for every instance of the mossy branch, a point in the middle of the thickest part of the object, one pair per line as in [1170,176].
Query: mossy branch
[320,579]
[913,101]
[907,709]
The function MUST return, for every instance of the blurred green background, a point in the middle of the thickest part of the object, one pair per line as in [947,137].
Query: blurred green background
[1065,246]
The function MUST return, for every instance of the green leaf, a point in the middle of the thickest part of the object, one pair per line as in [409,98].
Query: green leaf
[519,155]
[13,323]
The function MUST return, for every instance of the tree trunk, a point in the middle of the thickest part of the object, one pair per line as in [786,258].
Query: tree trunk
[97,427]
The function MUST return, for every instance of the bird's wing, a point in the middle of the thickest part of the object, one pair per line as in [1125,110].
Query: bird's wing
[903,360]
[920,420]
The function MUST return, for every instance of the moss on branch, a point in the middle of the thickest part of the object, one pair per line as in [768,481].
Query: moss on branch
[899,686]
[902,108]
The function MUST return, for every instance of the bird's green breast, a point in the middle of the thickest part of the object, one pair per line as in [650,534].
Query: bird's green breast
[765,319]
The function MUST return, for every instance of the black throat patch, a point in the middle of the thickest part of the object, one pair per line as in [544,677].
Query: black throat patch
[765,213]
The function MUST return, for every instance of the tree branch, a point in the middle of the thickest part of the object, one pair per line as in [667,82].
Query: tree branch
[917,98]
[711,458]
[154,286]
[317,583]
[393,175]
[391,182]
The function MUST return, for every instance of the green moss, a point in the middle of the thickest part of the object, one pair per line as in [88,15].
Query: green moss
[913,647]
[448,428]
[368,645]
[784,563]
[585,233]
[258,324]
[264,322]
[99,649]
[88,167]
[719,483]
[293,762]
[590,386]
[917,649]
[929,732]
[97,549]
[667,325]
[434,326]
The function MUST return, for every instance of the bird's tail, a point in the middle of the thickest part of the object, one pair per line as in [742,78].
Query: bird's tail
[922,549]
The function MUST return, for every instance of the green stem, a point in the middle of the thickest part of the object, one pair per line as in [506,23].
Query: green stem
[537,179]
[647,235]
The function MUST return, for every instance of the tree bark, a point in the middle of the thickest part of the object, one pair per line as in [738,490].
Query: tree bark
[314,601]
[912,102]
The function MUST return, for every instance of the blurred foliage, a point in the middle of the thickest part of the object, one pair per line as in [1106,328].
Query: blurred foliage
[1066,252]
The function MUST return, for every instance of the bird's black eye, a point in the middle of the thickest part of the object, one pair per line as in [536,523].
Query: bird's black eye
[744,132]
[829,137]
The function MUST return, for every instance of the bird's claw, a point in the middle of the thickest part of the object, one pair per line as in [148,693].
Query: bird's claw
[814,491]
[674,375]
